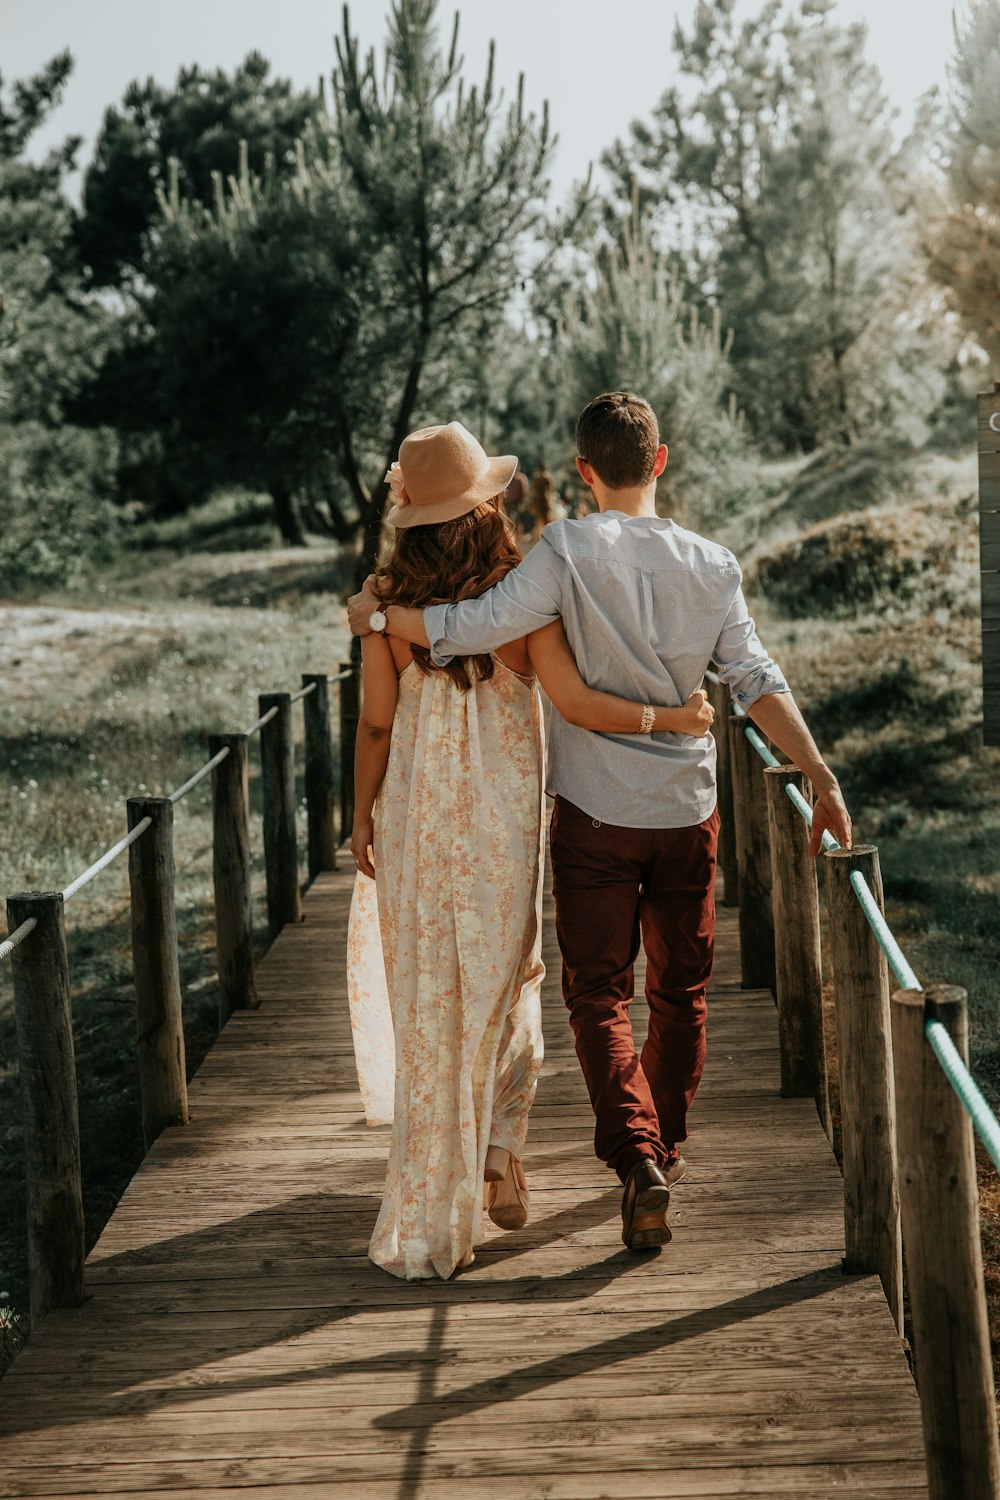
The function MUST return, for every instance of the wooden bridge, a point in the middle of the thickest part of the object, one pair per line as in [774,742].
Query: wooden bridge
[235,1341]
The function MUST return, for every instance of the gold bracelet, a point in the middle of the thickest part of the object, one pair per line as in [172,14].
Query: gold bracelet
[648,719]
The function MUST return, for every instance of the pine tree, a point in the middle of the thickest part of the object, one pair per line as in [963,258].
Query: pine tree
[628,327]
[55,478]
[199,124]
[445,184]
[964,228]
[308,320]
[784,163]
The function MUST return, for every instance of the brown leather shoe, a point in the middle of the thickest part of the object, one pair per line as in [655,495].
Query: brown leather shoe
[644,1207]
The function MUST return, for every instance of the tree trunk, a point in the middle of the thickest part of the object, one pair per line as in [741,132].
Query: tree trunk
[371,513]
[343,530]
[286,516]
[371,534]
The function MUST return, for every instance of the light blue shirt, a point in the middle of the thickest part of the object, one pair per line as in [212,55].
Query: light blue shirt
[646,606]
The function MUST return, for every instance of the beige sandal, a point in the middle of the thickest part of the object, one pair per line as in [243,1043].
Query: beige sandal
[506,1198]
[497,1159]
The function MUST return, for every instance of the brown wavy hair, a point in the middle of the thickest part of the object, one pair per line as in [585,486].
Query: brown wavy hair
[452,560]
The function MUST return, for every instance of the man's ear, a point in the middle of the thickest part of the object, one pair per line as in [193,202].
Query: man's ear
[585,472]
[660,461]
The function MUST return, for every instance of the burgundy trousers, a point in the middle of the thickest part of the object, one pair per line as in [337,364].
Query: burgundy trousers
[611,886]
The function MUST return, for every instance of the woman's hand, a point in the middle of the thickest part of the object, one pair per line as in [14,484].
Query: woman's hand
[696,717]
[362,845]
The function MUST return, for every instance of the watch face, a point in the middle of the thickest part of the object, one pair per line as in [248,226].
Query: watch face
[377,620]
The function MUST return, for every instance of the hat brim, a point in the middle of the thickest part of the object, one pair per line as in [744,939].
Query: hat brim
[496,477]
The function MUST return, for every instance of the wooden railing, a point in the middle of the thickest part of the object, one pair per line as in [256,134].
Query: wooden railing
[907,1100]
[36,945]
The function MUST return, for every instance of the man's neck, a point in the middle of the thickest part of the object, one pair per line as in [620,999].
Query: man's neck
[637,502]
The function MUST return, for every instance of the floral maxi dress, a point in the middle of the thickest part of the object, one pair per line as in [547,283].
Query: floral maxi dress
[444,958]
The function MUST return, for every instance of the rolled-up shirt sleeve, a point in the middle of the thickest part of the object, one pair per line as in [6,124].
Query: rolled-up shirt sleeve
[744,666]
[529,597]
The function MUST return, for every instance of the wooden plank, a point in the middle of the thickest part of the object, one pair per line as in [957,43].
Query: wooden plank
[988,420]
[988,428]
[237,1340]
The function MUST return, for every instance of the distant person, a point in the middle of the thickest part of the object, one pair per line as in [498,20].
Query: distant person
[543,498]
[444,955]
[515,499]
[646,606]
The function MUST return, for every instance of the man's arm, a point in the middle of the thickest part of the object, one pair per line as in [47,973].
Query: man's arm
[778,715]
[527,598]
[758,685]
[407,624]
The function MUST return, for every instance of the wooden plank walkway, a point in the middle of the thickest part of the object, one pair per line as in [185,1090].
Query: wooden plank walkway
[238,1343]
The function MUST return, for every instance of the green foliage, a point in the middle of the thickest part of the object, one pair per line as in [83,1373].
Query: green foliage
[784,161]
[627,327]
[199,124]
[842,479]
[964,219]
[862,561]
[289,336]
[59,515]
[56,479]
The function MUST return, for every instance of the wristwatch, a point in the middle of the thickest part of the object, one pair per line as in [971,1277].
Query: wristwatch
[377,620]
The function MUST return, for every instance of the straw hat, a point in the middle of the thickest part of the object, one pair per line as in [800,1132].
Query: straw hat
[443,473]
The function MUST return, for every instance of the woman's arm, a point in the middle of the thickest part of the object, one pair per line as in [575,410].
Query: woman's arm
[556,669]
[371,750]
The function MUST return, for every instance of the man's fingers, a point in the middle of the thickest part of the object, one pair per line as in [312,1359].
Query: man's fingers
[359,609]
[832,816]
[696,699]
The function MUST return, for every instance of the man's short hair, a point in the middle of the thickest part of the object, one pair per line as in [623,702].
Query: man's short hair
[617,435]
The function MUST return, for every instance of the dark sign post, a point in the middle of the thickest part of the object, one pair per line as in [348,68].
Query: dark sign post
[989,557]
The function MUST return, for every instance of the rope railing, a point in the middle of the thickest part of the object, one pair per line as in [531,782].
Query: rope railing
[986,1125]
[41,974]
[258,724]
[17,936]
[106,858]
[199,775]
[910,1108]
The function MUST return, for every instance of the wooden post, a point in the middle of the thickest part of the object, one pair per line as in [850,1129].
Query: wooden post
[867,1091]
[158,1015]
[718,696]
[798,963]
[944,1262]
[988,423]
[754,861]
[44,1020]
[319,776]
[231,868]
[281,855]
[350,698]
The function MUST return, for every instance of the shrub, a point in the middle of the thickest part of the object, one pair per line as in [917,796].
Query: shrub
[59,517]
[868,560]
[840,480]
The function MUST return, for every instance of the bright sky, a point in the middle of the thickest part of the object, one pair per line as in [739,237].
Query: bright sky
[599,65]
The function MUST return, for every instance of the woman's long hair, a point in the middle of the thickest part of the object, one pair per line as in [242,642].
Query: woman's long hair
[452,560]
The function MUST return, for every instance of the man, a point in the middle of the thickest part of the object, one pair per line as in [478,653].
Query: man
[645,606]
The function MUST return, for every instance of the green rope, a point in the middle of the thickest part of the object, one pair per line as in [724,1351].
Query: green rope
[965,1086]
[984,1121]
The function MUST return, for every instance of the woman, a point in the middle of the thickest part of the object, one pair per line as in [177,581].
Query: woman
[444,962]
